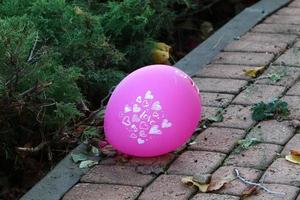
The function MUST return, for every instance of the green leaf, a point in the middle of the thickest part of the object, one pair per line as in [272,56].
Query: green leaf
[95,151]
[246,143]
[78,157]
[274,77]
[218,117]
[274,109]
[87,163]
[90,132]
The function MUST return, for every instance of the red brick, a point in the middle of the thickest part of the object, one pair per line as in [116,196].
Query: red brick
[283,19]
[290,193]
[283,172]
[269,37]
[293,106]
[236,116]
[218,139]
[290,58]
[208,112]
[272,131]
[239,58]
[289,75]
[295,89]
[224,71]
[297,44]
[114,174]
[258,156]
[167,187]
[257,93]
[288,11]
[208,196]
[294,143]
[153,165]
[219,85]
[235,187]
[86,191]
[158,163]
[295,4]
[192,162]
[277,28]
[255,46]
[216,99]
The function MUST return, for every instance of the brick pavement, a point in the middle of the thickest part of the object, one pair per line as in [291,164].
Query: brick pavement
[223,85]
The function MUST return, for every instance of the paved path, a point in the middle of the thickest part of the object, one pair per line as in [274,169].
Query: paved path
[274,44]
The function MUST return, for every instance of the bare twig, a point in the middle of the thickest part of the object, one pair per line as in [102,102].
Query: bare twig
[105,98]
[84,106]
[33,149]
[33,48]
[257,184]
[94,113]
[36,88]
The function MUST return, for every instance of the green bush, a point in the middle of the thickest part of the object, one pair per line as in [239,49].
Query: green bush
[37,94]
[55,54]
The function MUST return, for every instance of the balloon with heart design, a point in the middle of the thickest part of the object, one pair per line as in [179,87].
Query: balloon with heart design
[153,111]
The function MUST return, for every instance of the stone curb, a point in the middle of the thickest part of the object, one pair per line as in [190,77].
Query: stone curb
[239,25]
[58,181]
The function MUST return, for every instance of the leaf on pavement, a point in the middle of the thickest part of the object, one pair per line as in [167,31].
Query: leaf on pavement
[212,186]
[251,190]
[78,157]
[87,163]
[294,156]
[254,71]
[190,182]
[220,183]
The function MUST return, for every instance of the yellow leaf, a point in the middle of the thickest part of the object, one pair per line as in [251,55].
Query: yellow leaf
[161,53]
[254,71]
[162,46]
[160,57]
[189,181]
[293,159]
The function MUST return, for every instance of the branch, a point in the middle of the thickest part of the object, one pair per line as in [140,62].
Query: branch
[33,48]
[94,113]
[33,149]
[257,184]
[36,88]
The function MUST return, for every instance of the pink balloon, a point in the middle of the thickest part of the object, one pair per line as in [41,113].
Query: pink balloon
[153,111]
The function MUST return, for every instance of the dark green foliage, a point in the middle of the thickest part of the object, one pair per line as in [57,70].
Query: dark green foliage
[37,94]
[9,8]
[75,34]
[56,54]
[274,109]
[100,82]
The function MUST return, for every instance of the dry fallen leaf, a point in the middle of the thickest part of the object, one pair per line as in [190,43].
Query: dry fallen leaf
[254,71]
[294,156]
[294,152]
[212,186]
[218,184]
[251,190]
[189,181]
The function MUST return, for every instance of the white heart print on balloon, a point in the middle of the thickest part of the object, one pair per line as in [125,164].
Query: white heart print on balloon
[144,118]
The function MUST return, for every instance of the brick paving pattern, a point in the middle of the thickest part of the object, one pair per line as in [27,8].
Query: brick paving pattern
[273,44]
